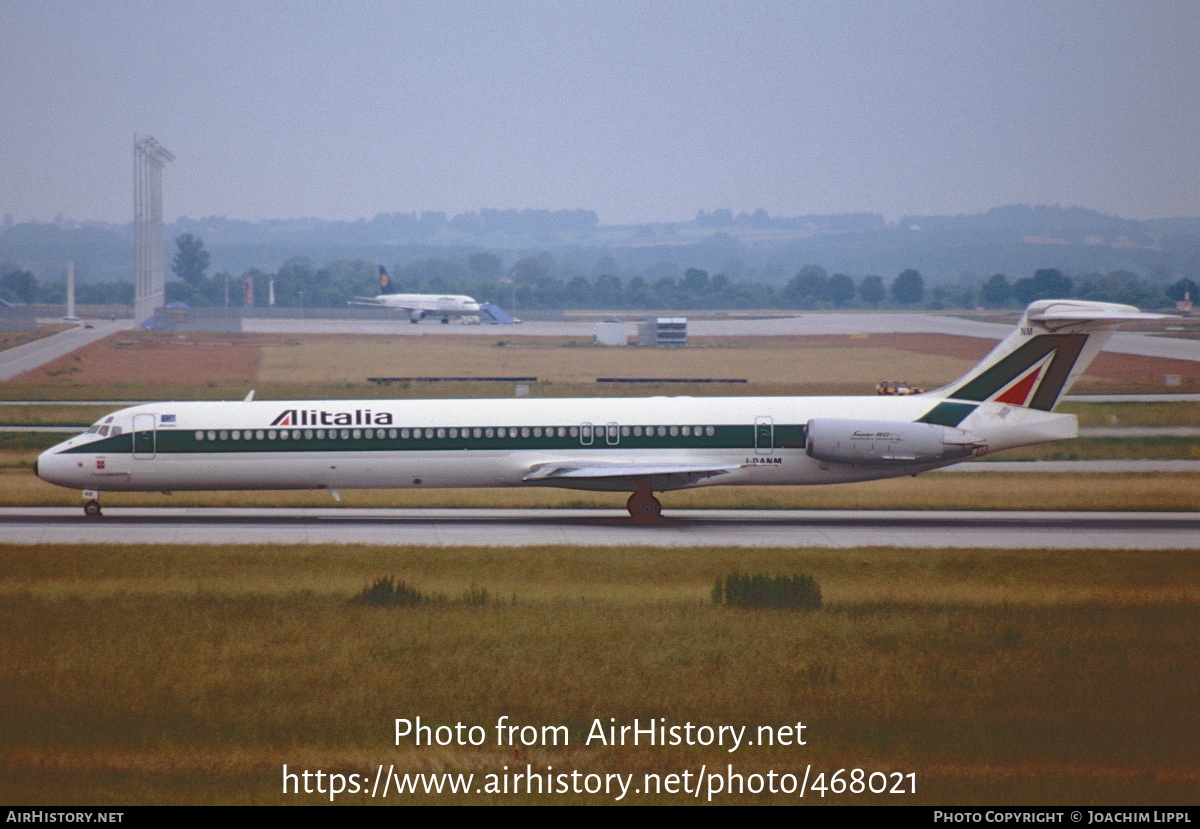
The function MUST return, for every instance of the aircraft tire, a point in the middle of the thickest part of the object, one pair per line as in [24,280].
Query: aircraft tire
[643,507]
[92,509]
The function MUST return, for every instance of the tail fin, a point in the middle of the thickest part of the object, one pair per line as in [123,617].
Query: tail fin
[1035,365]
[385,281]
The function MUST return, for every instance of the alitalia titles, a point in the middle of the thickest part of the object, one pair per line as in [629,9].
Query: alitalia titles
[320,417]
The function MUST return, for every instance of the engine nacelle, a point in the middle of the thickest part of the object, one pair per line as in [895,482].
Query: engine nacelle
[887,442]
[416,316]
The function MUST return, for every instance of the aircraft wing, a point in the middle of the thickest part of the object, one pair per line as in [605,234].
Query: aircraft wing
[681,472]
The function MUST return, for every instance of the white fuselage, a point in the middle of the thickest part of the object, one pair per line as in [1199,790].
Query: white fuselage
[347,444]
[431,305]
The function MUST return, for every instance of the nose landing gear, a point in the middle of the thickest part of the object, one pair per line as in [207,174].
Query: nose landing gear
[92,508]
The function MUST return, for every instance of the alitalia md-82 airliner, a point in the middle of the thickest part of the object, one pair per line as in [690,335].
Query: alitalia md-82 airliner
[642,446]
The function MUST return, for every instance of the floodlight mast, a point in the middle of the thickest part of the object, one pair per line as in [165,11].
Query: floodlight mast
[149,158]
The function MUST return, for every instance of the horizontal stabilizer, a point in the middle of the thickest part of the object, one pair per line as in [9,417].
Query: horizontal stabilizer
[1065,312]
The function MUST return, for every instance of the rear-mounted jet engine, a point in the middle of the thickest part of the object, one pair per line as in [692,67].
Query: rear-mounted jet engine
[885,442]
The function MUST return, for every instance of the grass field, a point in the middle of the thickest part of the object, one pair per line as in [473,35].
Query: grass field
[1148,448]
[161,365]
[191,674]
[1133,414]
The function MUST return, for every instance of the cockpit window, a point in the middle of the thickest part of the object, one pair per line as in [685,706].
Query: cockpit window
[102,426]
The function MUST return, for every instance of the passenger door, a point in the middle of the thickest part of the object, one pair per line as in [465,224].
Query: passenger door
[144,437]
[764,436]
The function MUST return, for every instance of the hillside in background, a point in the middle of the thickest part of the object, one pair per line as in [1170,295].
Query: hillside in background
[744,247]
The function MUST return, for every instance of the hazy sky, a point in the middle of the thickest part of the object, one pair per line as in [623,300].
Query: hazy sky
[642,111]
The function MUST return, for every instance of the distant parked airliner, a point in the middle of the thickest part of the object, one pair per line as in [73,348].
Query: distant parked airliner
[419,306]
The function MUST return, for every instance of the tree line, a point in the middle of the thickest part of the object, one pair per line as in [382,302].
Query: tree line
[540,282]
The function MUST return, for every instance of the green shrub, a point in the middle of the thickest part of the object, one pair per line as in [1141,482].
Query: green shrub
[475,596]
[385,592]
[798,590]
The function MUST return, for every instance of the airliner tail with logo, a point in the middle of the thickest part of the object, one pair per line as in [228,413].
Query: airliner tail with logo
[642,446]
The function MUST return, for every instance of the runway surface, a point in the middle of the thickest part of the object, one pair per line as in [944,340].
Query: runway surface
[606,528]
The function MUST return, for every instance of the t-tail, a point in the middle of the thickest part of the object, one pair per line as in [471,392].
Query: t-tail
[1030,370]
[1004,402]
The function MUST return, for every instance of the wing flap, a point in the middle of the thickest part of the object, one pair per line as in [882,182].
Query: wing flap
[584,471]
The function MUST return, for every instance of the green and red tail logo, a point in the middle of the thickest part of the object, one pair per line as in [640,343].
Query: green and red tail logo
[1032,376]
[1020,391]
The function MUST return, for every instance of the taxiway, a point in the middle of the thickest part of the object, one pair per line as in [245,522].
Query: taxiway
[605,528]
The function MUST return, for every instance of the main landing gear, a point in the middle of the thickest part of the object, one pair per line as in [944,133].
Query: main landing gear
[642,505]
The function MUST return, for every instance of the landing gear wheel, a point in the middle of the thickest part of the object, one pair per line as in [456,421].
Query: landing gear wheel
[92,509]
[445,320]
[643,507]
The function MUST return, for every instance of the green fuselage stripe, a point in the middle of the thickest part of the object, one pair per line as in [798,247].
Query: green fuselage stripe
[948,414]
[181,441]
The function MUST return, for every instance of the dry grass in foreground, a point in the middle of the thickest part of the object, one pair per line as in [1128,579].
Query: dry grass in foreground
[190,674]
